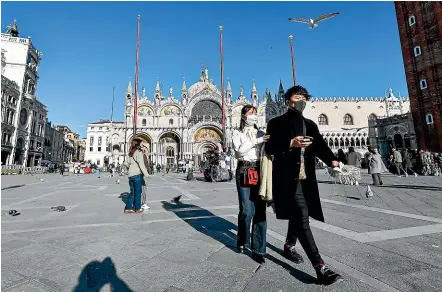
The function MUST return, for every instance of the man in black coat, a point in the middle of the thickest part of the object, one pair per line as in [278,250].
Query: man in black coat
[294,143]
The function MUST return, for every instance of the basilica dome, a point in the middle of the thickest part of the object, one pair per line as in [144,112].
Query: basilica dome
[205,84]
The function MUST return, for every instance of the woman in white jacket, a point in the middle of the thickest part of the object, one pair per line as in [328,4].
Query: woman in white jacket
[247,142]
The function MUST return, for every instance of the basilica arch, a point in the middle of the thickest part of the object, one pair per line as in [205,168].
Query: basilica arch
[169,148]
[205,138]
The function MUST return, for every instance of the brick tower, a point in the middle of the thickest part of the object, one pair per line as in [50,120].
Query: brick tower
[420,30]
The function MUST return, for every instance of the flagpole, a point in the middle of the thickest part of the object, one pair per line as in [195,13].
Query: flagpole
[113,99]
[112,126]
[223,120]
[136,79]
[293,60]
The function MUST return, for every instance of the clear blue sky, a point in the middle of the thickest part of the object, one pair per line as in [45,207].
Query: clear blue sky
[89,47]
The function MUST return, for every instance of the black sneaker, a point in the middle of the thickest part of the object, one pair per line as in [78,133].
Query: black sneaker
[258,258]
[326,276]
[291,254]
[240,249]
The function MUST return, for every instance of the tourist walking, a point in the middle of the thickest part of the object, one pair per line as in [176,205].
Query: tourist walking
[397,161]
[407,163]
[295,142]
[341,156]
[353,158]
[247,142]
[376,166]
[136,171]
[148,165]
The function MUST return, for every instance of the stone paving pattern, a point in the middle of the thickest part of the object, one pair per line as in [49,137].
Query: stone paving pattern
[188,247]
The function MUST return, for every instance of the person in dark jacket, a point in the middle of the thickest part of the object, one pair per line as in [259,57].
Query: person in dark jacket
[341,156]
[295,142]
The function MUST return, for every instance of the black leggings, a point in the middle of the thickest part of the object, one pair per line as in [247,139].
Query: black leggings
[299,228]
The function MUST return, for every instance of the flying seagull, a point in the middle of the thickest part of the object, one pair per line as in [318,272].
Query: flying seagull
[313,22]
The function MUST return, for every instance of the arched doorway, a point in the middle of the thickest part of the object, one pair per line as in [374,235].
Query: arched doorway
[169,149]
[398,141]
[19,151]
[206,138]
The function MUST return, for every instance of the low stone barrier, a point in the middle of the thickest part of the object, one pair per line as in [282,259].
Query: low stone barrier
[19,169]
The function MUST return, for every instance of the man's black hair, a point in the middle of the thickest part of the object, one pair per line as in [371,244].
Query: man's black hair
[297,90]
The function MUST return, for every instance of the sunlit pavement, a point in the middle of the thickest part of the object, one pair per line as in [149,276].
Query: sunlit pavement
[391,242]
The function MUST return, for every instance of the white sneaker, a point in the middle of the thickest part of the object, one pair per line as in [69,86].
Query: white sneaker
[415,174]
[145,207]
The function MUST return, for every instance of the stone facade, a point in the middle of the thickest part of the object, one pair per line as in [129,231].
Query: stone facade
[53,144]
[184,129]
[26,123]
[420,31]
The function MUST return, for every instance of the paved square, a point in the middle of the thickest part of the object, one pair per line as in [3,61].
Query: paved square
[391,242]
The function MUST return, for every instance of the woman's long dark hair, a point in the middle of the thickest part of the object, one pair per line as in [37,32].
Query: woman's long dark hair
[245,110]
[135,145]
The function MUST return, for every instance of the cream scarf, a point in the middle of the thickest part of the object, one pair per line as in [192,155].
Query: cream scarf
[266,172]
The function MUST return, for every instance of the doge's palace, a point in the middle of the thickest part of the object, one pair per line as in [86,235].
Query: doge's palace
[182,126]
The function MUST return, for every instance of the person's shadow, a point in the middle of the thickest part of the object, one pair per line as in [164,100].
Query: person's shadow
[205,222]
[97,274]
[221,229]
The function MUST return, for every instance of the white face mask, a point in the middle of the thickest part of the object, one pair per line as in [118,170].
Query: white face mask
[251,120]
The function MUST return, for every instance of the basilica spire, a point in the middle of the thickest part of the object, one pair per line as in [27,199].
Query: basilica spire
[129,88]
[254,94]
[184,92]
[184,87]
[228,93]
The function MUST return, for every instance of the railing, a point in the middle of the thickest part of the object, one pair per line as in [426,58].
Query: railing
[19,169]
[207,118]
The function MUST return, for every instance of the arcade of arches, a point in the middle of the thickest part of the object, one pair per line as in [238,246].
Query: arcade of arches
[170,147]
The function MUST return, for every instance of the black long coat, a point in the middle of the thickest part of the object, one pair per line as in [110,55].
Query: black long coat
[286,165]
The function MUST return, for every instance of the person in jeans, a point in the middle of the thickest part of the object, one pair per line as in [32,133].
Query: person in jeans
[136,171]
[375,166]
[147,164]
[252,209]
[294,142]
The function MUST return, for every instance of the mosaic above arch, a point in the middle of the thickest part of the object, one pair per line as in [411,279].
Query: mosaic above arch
[170,110]
[207,134]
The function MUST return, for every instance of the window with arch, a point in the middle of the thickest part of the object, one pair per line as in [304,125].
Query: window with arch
[348,120]
[429,119]
[323,120]
[411,20]
[417,51]
[372,117]
[423,84]
[170,122]
[170,152]
[143,122]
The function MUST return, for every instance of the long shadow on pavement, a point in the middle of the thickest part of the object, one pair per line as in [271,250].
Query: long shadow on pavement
[220,229]
[95,275]
[411,187]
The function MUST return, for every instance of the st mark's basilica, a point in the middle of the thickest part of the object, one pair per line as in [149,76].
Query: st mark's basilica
[183,128]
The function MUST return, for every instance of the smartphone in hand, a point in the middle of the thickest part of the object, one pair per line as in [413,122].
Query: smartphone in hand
[308,139]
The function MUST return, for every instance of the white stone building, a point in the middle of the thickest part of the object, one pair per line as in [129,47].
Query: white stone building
[185,127]
[20,61]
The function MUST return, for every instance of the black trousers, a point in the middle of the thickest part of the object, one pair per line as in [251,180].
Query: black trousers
[299,228]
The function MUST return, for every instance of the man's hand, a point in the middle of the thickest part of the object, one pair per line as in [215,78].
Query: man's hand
[335,163]
[266,138]
[299,141]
